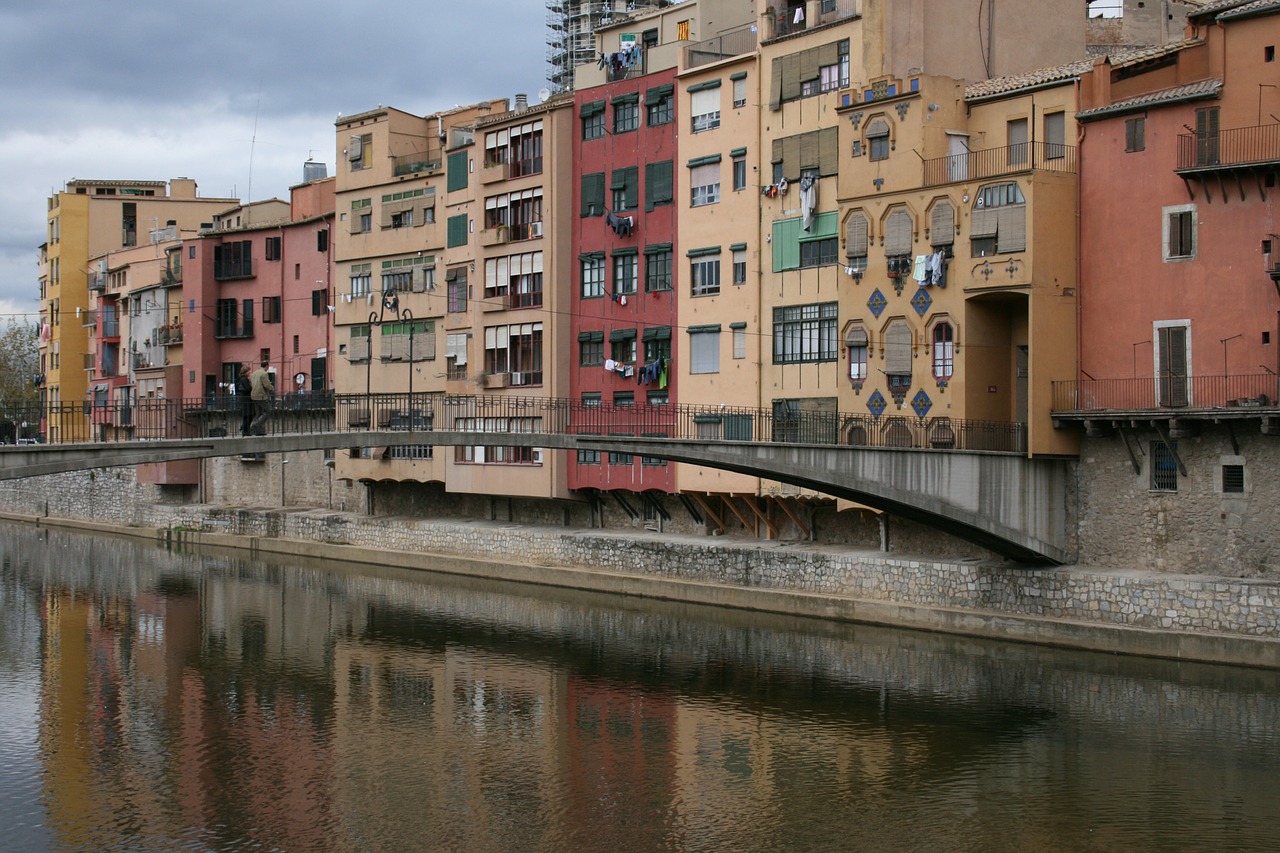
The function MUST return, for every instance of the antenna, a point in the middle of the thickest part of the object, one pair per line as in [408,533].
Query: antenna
[248,210]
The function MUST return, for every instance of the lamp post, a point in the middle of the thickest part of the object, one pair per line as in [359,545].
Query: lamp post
[391,305]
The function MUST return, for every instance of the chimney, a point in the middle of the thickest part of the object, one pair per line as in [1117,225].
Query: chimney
[522,102]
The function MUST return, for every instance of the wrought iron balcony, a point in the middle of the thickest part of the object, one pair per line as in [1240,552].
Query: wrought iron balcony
[732,43]
[997,162]
[1185,395]
[409,164]
[1229,149]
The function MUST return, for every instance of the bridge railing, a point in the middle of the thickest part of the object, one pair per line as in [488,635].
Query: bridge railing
[216,415]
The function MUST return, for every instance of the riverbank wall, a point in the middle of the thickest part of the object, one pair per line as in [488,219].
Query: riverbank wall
[1184,617]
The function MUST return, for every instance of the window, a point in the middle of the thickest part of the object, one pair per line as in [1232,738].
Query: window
[1164,467]
[360,152]
[456,231]
[626,188]
[804,333]
[739,90]
[818,149]
[1055,136]
[658,398]
[1173,362]
[514,281]
[658,184]
[657,268]
[622,345]
[319,302]
[591,400]
[361,216]
[739,171]
[592,275]
[657,343]
[590,349]
[898,349]
[704,275]
[1135,134]
[622,459]
[704,349]
[817,253]
[1233,479]
[233,260]
[855,340]
[878,139]
[942,224]
[458,167]
[704,181]
[589,457]
[456,291]
[944,351]
[624,273]
[999,221]
[322,241]
[456,347]
[1017,137]
[592,115]
[1207,140]
[1179,232]
[360,279]
[516,351]
[652,462]
[358,347]
[520,148]
[660,105]
[271,309]
[739,339]
[739,266]
[593,194]
[271,250]
[626,113]
[704,105]
[809,72]
[624,398]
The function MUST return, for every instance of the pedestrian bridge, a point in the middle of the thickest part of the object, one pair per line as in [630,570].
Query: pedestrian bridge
[928,471]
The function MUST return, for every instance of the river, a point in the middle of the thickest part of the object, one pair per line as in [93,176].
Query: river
[160,701]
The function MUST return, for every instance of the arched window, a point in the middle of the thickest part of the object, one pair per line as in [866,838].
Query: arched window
[942,224]
[944,351]
[856,342]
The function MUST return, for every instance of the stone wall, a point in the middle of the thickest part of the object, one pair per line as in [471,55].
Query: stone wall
[1199,527]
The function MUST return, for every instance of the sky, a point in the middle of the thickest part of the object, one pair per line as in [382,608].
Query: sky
[235,95]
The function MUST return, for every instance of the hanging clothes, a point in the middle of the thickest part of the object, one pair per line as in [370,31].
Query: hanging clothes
[808,200]
[799,18]
[938,269]
[621,225]
[919,270]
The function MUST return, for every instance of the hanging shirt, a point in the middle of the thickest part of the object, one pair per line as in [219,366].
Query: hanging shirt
[918,271]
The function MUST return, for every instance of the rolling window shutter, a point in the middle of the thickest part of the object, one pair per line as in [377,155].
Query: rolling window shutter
[857,337]
[1011,228]
[809,156]
[775,85]
[705,101]
[809,64]
[897,233]
[791,77]
[593,194]
[879,127]
[855,236]
[983,223]
[942,224]
[828,151]
[897,348]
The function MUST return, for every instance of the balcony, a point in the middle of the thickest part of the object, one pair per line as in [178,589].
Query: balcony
[1235,155]
[796,16]
[168,335]
[89,319]
[492,381]
[997,162]
[728,44]
[97,281]
[496,236]
[1102,404]
[224,329]
[416,163]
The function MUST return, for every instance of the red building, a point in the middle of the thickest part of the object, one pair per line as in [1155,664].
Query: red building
[262,292]
[624,240]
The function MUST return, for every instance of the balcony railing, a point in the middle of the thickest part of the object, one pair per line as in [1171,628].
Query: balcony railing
[224,328]
[732,43]
[409,164]
[1180,393]
[1241,146]
[786,21]
[996,162]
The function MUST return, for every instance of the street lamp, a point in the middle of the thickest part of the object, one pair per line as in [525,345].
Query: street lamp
[391,305]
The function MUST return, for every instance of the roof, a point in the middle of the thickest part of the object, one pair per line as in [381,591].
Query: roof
[1190,92]
[1257,7]
[1146,54]
[1235,7]
[1029,80]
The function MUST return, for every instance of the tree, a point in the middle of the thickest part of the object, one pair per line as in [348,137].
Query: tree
[19,366]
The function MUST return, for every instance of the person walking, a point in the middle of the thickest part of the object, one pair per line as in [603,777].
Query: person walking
[244,390]
[261,390]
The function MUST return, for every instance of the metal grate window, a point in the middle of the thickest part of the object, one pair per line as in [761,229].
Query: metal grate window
[1233,479]
[1164,468]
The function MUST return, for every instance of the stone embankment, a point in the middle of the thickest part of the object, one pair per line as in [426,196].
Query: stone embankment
[1187,617]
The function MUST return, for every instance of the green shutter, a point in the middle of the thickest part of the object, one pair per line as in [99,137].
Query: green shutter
[593,194]
[657,184]
[786,244]
[458,171]
[457,230]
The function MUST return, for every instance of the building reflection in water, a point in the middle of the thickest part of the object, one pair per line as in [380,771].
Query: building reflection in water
[219,702]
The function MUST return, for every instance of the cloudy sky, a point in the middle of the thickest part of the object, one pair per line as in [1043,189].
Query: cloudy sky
[151,91]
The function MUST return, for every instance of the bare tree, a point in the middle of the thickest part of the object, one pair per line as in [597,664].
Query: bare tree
[19,367]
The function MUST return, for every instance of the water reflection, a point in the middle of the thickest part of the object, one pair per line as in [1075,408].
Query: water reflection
[212,702]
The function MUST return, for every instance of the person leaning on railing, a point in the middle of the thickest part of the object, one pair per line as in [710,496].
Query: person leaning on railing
[261,391]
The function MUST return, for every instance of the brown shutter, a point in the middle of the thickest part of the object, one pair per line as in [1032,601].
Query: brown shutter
[828,151]
[791,77]
[1011,234]
[775,85]
[855,236]
[897,348]
[942,224]
[897,233]
[857,337]
[809,154]
[809,64]
[983,223]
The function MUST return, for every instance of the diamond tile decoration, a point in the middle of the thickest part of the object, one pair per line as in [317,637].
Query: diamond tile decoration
[876,404]
[921,301]
[921,403]
[877,303]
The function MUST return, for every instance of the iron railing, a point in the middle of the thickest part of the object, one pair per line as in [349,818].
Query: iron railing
[1241,146]
[731,43]
[1194,392]
[995,162]
[408,164]
[785,20]
[497,414]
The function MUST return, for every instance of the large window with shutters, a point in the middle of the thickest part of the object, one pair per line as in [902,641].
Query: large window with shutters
[877,134]
[704,183]
[592,115]
[704,271]
[592,267]
[805,333]
[626,113]
[590,349]
[816,149]
[1055,136]
[658,184]
[704,106]
[408,208]
[1179,232]
[360,152]
[593,194]
[657,268]
[899,236]
[809,72]
[1207,139]
[625,188]
[942,224]
[516,351]
[456,231]
[625,263]
[856,342]
[660,105]
[458,170]
[1173,362]
[944,350]
[704,349]
[793,247]
[456,290]
[998,223]
[358,344]
[856,238]
[898,346]
[514,281]
[1016,132]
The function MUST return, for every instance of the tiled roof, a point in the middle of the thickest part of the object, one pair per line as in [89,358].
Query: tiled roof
[1146,54]
[1189,92]
[1252,8]
[1039,77]
[1214,7]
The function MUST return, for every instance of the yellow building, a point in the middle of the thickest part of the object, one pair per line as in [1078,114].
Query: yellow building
[86,220]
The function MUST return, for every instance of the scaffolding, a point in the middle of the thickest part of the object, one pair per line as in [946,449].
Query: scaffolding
[571,38]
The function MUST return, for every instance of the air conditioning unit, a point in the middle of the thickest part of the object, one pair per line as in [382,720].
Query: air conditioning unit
[535,229]
[537,456]
[517,378]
